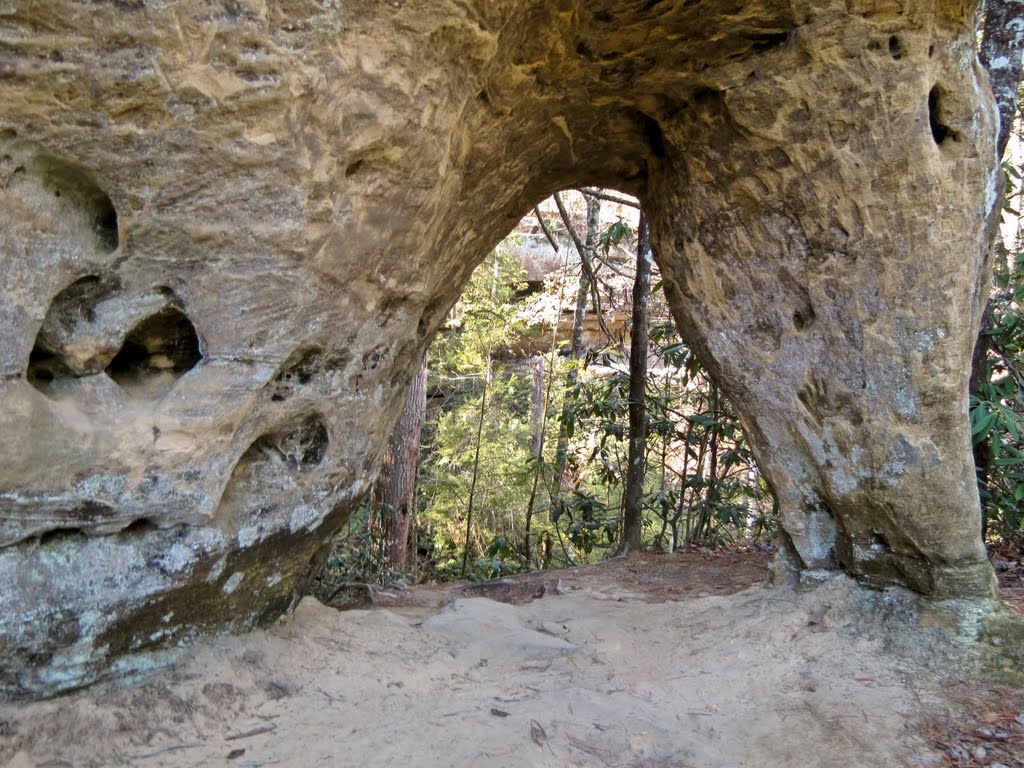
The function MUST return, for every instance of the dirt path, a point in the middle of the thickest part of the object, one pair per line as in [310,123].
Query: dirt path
[645,662]
[646,578]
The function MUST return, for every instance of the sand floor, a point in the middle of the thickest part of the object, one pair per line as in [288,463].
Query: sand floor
[627,665]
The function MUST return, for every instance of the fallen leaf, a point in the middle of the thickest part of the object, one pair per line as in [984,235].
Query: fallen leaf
[537,733]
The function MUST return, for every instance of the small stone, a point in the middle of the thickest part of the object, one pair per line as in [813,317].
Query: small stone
[980,753]
[809,579]
[958,752]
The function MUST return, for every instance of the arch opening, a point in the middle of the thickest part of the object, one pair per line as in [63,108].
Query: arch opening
[531,369]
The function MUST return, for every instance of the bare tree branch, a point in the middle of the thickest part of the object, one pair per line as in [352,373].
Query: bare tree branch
[588,268]
[544,228]
[609,198]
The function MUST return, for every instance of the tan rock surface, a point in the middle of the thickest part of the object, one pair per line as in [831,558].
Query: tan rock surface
[231,226]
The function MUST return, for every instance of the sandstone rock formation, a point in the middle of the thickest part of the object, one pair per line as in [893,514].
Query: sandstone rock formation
[231,226]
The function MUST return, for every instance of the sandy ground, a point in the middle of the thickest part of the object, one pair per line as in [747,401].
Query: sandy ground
[624,665]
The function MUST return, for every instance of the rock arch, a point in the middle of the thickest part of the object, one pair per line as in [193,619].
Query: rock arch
[314,183]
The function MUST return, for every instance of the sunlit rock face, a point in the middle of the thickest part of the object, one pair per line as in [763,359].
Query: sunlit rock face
[231,226]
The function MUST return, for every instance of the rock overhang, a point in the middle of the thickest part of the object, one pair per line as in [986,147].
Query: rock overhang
[272,209]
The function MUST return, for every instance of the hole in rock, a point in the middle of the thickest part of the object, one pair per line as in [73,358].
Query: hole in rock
[941,132]
[50,538]
[373,358]
[156,352]
[299,446]
[70,310]
[353,168]
[768,41]
[43,368]
[803,315]
[651,5]
[305,368]
[895,48]
[655,138]
[77,188]
[879,542]
[139,527]
[268,479]
[301,370]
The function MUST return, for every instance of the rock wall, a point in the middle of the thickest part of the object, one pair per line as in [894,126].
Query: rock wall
[231,226]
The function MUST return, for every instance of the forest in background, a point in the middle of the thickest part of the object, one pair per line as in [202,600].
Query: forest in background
[523,420]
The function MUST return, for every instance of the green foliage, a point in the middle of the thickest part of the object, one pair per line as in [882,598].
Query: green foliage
[702,486]
[357,555]
[484,319]
[614,235]
[501,558]
[997,403]
[503,484]
[689,497]
[588,523]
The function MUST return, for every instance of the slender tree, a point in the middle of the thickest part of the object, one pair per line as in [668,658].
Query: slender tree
[1002,55]
[576,341]
[539,398]
[476,466]
[702,526]
[392,498]
[631,536]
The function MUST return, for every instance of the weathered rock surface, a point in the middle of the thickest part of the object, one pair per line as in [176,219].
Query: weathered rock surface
[231,226]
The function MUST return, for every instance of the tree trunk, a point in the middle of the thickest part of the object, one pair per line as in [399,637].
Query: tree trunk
[1002,47]
[476,466]
[537,405]
[632,504]
[540,397]
[703,525]
[576,342]
[393,496]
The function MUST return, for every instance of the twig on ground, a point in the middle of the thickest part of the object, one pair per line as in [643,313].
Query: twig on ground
[164,750]
[254,732]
